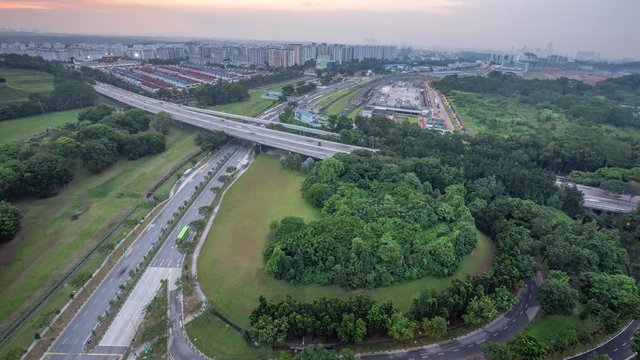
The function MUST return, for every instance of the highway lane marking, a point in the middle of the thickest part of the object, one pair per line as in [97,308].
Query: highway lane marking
[495,334]
[454,350]
[81,354]
[616,349]
[470,346]
[624,344]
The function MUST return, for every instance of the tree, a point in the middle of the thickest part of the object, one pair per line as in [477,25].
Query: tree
[99,154]
[95,113]
[635,343]
[572,200]
[161,122]
[556,295]
[480,310]
[435,327]
[351,329]
[45,173]
[400,327]
[618,293]
[9,221]
[288,90]
[67,147]
[526,347]
[269,331]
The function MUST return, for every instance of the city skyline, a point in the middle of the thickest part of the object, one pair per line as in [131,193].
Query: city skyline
[603,27]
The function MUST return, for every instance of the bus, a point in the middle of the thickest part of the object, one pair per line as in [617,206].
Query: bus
[183,234]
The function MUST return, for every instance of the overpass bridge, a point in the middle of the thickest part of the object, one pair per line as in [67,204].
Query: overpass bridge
[600,199]
[304,145]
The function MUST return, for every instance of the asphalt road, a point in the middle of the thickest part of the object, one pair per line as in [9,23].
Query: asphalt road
[70,344]
[305,145]
[180,346]
[470,345]
[600,199]
[618,348]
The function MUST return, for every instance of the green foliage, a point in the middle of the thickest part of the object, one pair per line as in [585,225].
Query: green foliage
[45,173]
[617,293]
[480,310]
[556,295]
[99,154]
[400,327]
[9,221]
[70,91]
[95,113]
[435,327]
[635,343]
[378,227]
[139,145]
[161,122]
[317,352]
[349,320]
[210,141]
[155,324]
[350,329]
[221,93]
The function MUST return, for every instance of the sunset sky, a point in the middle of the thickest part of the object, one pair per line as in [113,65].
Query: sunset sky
[610,27]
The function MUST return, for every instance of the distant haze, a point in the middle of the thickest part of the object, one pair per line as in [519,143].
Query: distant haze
[609,27]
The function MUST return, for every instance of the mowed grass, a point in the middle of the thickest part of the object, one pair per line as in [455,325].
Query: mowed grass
[231,268]
[337,107]
[250,107]
[20,83]
[219,341]
[22,128]
[57,232]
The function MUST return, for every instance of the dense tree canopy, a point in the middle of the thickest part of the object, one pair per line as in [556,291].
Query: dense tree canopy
[9,221]
[379,226]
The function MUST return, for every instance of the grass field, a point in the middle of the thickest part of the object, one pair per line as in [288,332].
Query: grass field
[20,83]
[342,102]
[232,253]
[251,107]
[355,112]
[22,128]
[58,231]
[217,340]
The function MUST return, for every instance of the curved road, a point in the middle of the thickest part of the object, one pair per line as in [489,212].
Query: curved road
[618,347]
[470,345]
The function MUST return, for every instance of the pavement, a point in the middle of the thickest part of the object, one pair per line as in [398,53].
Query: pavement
[71,343]
[617,347]
[305,145]
[180,347]
[503,329]
[600,199]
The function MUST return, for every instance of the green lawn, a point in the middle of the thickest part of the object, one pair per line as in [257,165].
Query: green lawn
[355,112]
[58,231]
[342,102]
[546,328]
[20,83]
[251,107]
[232,253]
[337,95]
[22,128]
[561,216]
[218,340]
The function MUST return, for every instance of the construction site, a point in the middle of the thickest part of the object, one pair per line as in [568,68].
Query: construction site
[412,101]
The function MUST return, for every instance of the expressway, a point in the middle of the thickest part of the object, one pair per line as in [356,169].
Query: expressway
[71,343]
[470,345]
[600,199]
[309,146]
